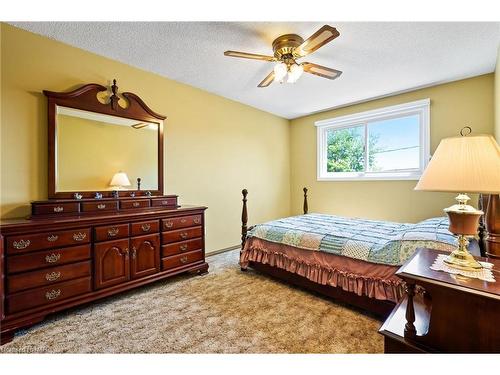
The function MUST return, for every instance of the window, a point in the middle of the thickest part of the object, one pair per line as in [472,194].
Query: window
[390,143]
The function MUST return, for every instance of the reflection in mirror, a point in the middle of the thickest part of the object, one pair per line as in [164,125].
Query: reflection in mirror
[91,148]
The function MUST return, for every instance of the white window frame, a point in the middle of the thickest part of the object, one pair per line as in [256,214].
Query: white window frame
[419,107]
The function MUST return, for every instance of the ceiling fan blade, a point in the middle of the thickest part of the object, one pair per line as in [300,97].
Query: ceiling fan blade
[268,80]
[321,71]
[324,35]
[246,55]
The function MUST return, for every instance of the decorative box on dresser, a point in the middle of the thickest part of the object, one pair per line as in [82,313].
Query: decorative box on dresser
[52,262]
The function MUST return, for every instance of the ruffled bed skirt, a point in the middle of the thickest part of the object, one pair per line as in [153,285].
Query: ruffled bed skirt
[391,289]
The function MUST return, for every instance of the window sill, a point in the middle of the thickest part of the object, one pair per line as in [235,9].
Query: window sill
[373,177]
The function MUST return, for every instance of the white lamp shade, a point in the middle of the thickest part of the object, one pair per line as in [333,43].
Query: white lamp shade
[469,164]
[120,179]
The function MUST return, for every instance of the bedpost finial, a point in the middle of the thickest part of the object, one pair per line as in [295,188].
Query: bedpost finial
[113,99]
[305,207]
[244,218]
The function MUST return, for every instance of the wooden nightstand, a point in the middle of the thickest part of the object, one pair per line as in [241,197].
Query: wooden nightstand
[451,314]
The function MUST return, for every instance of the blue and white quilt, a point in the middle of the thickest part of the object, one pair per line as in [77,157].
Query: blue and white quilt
[369,240]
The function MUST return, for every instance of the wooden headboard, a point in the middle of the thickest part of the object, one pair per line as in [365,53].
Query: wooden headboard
[489,225]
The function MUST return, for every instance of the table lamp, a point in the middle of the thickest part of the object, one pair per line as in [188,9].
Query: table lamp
[119,180]
[464,164]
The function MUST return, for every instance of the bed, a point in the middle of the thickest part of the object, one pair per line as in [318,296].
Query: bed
[350,259]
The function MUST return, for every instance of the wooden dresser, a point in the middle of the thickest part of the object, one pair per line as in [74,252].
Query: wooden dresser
[75,251]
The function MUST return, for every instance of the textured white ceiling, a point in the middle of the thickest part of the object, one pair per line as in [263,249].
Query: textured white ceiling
[377,59]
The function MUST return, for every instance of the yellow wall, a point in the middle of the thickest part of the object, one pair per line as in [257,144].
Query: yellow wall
[453,105]
[90,152]
[497,98]
[213,146]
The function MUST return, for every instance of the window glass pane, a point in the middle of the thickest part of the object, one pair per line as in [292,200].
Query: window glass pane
[394,144]
[346,149]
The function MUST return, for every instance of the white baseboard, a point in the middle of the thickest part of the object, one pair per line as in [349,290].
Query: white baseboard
[215,252]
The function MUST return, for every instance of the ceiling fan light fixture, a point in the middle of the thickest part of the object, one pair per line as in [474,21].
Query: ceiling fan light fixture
[280,70]
[295,72]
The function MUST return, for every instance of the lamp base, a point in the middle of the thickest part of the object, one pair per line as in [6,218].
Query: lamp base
[461,258]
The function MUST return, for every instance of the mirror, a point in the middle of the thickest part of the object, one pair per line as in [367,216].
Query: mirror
[92,147]
[101,141]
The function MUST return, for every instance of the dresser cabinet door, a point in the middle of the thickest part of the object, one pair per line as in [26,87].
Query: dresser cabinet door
[145,255]
[112,264]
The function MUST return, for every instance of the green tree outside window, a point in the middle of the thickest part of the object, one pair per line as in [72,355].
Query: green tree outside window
[346,150]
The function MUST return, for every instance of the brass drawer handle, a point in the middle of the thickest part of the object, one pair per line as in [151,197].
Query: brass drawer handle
[52,258]
[145,227]
[58,209]
[164,203]
[197,220]
[169,224]
[184,260]
[183,247]
[184,235]
[113,232]
[52,276]
[136,204]
[101,206]
[52,238]
[79,236]
[134,252]
[183,221]
[21,244]
[53,294]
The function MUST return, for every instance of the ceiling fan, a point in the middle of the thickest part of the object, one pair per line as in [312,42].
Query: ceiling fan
[290,47]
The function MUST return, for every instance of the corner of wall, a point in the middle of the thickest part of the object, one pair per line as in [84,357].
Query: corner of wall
[496,97]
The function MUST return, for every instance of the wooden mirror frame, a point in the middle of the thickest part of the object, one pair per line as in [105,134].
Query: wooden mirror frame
[85,98]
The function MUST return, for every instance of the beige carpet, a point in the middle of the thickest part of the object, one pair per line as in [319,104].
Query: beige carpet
[226,311]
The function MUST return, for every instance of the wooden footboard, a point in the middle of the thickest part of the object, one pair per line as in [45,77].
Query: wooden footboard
[244,215]
[378,307]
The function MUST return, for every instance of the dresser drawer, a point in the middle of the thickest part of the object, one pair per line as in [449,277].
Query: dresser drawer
[159,202]
[180,235]
[55,208]
[48,276]
[103,206]
[47,295]
[47,258]
[181,259]
[181,247]
[138,203]
[30,242]
[111,232]
[181,222]
[144,227]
